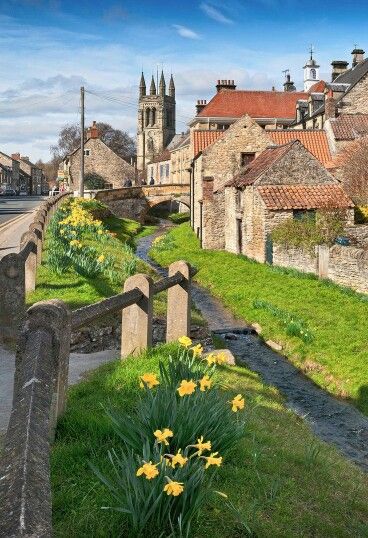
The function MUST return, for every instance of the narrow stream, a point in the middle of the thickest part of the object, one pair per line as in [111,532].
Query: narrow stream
[332,420]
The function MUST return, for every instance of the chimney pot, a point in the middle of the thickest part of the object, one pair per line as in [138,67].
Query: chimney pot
[93,132]
[15,156]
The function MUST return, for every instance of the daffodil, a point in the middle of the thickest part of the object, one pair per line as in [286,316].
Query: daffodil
[211,359]
[163,435]
[213,459]
[237,403]
[221,358]
[197,350]
[62,232]
[99,232]
[202,445]
[185,341]
[205,383]
[101,258]
[186,387]
[149,470]
[150,380]
[178,459]
[174,488]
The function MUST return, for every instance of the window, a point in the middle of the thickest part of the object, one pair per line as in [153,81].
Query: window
[238,200]
[313,74]
[167,170]
[87,152]
[304,214]
[161,171]
[246,158]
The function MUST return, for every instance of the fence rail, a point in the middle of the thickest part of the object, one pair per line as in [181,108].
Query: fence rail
[41,380]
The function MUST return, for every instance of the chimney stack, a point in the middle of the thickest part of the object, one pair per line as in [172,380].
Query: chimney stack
[201,103]
[15,156]
[338,67]
[330,106]
[93,132]
[225,85]
[289,85]
[24,158]
[358,56]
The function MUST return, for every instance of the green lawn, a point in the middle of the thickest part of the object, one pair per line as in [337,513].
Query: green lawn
[282,481]
[337,318]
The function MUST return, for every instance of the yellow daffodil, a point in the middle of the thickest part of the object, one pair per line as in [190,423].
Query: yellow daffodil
[73,232]
[101,258]
[75,243]
[185,341]
[221,358]
[178,459]
[205,383]
[150,380]
[202,445]
[211,359]
[213,459]
[149,470]
[197,350]
[100,232]
[237,403]
[174,488]
[62,232]
[186,387]
[162,436]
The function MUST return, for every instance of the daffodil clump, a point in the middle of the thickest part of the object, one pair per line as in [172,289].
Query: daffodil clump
[178,435]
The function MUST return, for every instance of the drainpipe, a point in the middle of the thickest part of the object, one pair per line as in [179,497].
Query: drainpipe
[191,192]
[200,222]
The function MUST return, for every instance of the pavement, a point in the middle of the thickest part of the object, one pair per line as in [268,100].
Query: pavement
[16,215]
[79,365]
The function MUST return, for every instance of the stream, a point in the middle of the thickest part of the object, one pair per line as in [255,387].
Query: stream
[332,420]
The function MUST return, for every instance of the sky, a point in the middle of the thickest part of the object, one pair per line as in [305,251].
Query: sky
[49,48]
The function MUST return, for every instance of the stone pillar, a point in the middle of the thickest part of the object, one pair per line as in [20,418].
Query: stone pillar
[323,260]
[136,329]
[178,303]
[12,295]
[31,261]
[37,229]
[39,397]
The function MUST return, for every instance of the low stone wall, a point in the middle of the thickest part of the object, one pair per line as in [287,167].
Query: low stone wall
[358,235]
[347,266]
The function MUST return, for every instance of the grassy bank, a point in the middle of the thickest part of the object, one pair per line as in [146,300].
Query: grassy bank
[281,480]
[322,327]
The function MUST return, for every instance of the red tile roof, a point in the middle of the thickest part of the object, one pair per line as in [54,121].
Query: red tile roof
[350,126]
[304,196]
[257,104]
[164,156]
[318,87]
[256,168]
[315,141]
[202,139]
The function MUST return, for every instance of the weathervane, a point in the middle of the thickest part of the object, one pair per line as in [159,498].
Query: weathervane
[285,72]
[311,51]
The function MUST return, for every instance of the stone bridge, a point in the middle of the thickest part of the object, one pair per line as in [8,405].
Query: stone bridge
[135,202]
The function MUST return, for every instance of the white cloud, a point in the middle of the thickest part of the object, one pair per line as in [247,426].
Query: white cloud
[183,31]
[215,13]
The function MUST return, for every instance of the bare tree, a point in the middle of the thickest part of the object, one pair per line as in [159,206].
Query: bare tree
[352,166]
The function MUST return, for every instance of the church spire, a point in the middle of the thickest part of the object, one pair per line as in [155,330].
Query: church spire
[162,85]
[172,87]
[153,87]
[142,86]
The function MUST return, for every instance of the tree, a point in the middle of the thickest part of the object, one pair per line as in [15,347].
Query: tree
[352,170]
[50,168]
[93,181]
[69,140]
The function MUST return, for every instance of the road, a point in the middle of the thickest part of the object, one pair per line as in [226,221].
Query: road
[20,208]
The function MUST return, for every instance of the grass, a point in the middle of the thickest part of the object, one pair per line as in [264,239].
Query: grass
[281,480]
[336,358]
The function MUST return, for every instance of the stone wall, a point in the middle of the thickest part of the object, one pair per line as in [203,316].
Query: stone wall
[356,100]
[213,221]
[103,161]
[295,258]
[358,235]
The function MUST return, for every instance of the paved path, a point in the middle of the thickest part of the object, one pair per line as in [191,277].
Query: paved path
[21,209]
[79,365]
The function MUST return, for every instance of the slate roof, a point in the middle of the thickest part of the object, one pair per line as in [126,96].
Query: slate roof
[257,104]
[203,138]
[278,197]
[353,75]
[257,167]
[177,141]
[314,140]
[350,126]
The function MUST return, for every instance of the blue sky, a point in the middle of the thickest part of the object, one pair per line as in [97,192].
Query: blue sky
[50,47]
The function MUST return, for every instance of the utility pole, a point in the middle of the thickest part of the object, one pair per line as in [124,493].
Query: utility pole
[81,180]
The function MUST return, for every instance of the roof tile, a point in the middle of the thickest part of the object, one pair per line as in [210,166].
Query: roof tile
[203,138]
[285,197]
[315,141]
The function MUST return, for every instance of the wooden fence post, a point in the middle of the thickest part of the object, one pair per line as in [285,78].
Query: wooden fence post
[178,303]
[136,329]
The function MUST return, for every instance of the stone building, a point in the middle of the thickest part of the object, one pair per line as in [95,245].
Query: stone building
[158,170]
[10,171]
[344,129]
[156,120]
[98,159]
[284,182]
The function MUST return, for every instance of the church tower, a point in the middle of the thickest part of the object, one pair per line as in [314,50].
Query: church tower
[156,119]
[311,72]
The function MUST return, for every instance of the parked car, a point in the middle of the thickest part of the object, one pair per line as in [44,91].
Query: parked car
[7,191]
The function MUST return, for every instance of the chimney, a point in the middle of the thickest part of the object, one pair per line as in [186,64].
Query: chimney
[289,85]
[358,56]
[15,156]
[330,106]
[225,85]
[93,132]
[201,103]
[25,159]
[338,67]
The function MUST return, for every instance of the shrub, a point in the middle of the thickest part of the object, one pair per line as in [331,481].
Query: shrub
[179,432]
[179,218]
[93,181]
[361,214]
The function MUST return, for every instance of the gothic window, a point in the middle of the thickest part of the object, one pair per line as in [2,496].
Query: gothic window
[313,74]
[147,116]
[153,111]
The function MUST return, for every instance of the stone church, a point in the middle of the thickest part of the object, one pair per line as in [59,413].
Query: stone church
[156,119]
